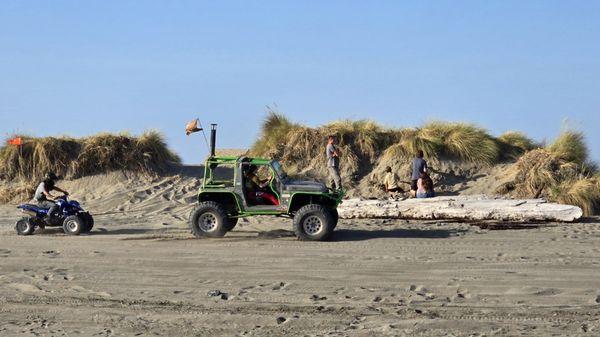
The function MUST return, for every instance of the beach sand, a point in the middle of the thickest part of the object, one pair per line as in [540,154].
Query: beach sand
[140,272]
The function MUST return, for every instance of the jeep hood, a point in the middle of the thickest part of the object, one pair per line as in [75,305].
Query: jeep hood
[304,186]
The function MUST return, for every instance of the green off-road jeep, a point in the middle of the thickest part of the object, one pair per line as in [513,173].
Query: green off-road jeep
[225,196]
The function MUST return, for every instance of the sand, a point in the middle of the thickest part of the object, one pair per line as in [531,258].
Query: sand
[140,272]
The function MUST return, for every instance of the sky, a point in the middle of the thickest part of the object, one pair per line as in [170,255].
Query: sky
[82,67]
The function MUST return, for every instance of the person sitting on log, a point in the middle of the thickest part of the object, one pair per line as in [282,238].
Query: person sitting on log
[391,183]
[425,186]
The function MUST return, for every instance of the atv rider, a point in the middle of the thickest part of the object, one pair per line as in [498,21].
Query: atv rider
[43,197]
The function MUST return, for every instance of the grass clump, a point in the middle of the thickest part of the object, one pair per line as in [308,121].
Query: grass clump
[464,142]
[514,144]
[273,135]
[570,146]
[544,173]
[76,157]
[583,192]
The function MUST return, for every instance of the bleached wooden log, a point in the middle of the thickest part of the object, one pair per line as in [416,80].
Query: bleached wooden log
[465,207]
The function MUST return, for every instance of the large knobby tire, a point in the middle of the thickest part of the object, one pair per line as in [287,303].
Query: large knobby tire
[313,222]
[209,219]
[88,219]
[73,225]
[334,215]
[231,222]
[24,226]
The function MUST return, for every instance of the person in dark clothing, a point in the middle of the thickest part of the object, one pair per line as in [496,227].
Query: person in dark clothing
[43,197]
[419,165]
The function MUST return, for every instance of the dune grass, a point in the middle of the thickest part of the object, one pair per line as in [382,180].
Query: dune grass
[366,144]
[560,172]
[570,146]
[76,157]
[513,144]
[544,173]
[583,192]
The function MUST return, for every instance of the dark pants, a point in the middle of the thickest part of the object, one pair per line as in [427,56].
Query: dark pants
[413,184]
[51,205]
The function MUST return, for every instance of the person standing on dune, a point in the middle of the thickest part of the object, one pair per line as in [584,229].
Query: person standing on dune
[333,162]
[419,165]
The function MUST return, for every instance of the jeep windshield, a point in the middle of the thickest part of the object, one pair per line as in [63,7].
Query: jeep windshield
[279,169]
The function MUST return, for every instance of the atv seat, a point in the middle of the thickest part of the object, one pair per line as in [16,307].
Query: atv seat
[34,206]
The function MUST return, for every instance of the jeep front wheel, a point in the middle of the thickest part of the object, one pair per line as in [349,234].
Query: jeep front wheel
[313,222]
[208,219]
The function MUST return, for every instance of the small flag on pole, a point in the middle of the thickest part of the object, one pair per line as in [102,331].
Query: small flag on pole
[192,127]
[17,141]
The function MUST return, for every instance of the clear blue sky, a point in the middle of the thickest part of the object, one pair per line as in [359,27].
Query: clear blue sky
[81,67]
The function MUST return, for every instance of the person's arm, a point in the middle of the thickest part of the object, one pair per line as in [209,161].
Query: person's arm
[48,195]
[420,184]
[61,190]
[336,152]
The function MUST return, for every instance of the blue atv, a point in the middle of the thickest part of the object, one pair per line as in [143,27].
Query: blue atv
[69,214]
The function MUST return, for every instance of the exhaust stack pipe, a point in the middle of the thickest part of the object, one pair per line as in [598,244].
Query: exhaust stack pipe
[213,139]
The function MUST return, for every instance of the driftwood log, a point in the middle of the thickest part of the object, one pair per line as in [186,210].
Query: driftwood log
[464,207]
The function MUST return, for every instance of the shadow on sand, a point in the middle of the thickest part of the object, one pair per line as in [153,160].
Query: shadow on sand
[103,231]
[339,235]
[361,234]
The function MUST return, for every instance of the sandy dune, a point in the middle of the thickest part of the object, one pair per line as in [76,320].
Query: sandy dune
[140,273]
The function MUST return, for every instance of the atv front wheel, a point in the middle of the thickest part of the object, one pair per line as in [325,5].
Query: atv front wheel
[88,220]
[73,225]
[24,226]
[313,222]
[209,219]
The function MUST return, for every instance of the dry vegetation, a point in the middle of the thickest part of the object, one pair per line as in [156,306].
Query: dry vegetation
[560,172]
[366,143]
[77,157]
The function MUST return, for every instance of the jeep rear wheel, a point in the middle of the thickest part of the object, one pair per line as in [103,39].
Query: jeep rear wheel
[334,215]
[231,222]
[313,222]
[208,219]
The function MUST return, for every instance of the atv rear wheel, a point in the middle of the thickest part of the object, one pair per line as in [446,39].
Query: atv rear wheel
[209,219]
[313,222]
[73,225]
[24,226]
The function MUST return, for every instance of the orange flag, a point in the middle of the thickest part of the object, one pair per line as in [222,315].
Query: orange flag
[192,127]
[17,141]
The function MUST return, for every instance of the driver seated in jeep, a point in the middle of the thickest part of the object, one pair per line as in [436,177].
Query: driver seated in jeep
[257,190]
